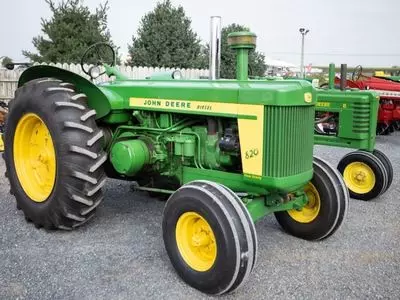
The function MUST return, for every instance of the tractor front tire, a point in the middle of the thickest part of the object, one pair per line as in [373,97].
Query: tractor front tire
[328,201]
[209,237]
[53,154]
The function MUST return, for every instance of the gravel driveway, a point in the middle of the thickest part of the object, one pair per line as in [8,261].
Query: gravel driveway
[120,253]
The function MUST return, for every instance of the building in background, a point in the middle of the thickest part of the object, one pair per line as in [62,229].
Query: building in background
[280,68]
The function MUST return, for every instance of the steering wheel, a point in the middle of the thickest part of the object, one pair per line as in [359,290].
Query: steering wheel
[98,54]
[356,73]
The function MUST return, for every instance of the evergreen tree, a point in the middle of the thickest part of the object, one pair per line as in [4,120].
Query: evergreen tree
[70,31]
[165,39]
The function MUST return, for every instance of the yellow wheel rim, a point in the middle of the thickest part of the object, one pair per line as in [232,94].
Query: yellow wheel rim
[1,143]
[196,241]
[310,211]
[34,157]
[359,177]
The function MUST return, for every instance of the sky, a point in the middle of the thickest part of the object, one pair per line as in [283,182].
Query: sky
[354,32]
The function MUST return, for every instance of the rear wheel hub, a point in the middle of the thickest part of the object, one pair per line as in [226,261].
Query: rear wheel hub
[34,157]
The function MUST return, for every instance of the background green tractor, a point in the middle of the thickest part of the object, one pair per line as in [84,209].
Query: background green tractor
[227,152]
[347,118]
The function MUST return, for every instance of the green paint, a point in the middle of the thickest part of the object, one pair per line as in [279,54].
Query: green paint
[358,113]
[96,98]
[129,157]
[117,117]
[262,206]
[116,101]
[141,188]
[199,113]
[292,152]
[394,78]
[114,72]
[276,93]
[225,160]
[234,181]
[242,42]
[184,145]
[165,120]
[284,183]
[242,66]
[212,152]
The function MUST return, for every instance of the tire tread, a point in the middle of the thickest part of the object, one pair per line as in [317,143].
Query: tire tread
[81,193]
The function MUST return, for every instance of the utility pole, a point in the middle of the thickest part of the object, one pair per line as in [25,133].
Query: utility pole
[303,32]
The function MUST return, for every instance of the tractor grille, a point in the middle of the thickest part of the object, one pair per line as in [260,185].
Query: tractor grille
[361,117]
[289,140]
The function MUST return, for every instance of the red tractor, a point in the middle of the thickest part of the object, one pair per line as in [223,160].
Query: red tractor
[389,92]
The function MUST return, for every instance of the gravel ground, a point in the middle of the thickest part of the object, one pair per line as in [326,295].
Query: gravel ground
[120,253]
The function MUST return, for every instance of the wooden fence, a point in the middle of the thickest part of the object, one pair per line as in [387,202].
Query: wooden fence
[9,78]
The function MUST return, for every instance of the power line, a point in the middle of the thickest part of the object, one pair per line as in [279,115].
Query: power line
[338,54]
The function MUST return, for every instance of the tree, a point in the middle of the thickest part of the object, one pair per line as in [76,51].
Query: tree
[165,39]
[70,31]
[5,61]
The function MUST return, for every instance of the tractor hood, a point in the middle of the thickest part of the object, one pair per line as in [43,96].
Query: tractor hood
[274,93]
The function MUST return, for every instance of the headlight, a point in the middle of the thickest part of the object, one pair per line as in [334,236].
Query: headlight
[177,74]
[94,72]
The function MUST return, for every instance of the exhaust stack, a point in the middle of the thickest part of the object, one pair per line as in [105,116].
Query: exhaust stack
[215,48]
[331,76]
[343,76]
[242,42]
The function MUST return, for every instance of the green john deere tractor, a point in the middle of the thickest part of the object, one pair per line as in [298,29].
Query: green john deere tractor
[226,152]
[347,118]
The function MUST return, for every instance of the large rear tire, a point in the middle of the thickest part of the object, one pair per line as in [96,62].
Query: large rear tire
[328,201]
[53,154]
[209,237]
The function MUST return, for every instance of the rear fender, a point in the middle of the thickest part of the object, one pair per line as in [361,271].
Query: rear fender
[97,100]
